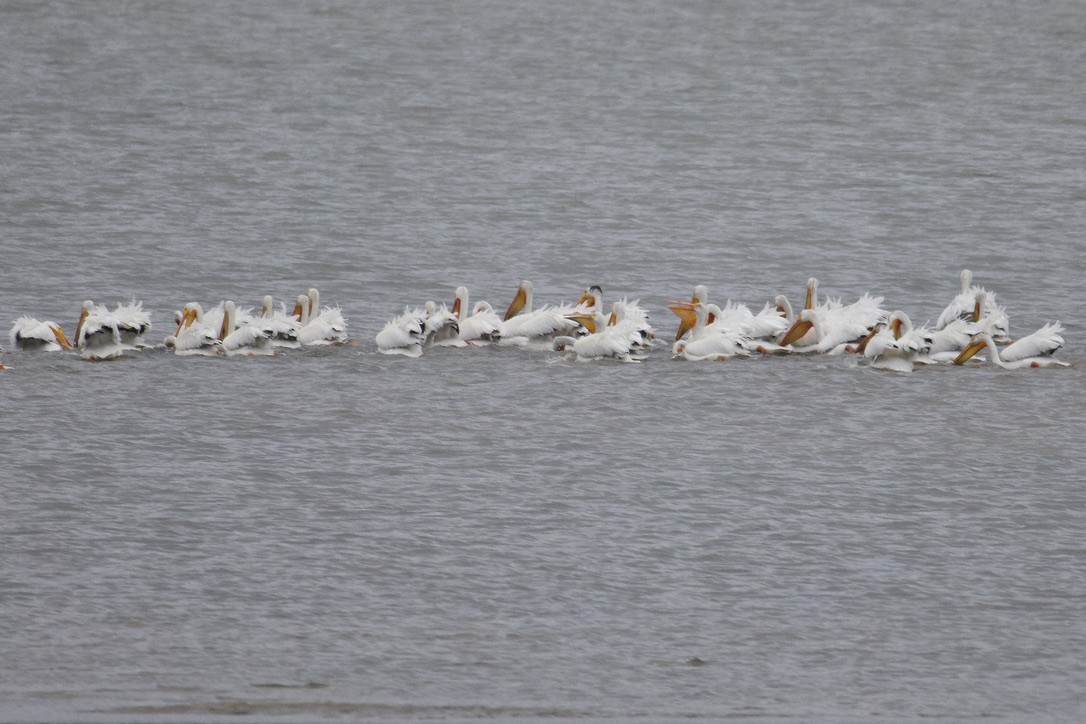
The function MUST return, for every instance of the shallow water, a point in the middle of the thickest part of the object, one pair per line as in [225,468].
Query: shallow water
[338,534]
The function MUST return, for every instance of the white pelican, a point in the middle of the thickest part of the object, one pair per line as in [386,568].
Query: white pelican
[835,325]
[283,327]
[482,327]
[321,325]
[194,336]
[441,327]
[630,316]
[1035,350]
[686,320]
[97,334]
[250,338]
[602,341]
[988,317]
[132,323]
[403,334]
[894,344]
[968,303]
[538,326]
[707,341]
[29,333]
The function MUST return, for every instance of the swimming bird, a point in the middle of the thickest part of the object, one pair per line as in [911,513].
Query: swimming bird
[251,337]
[974,302]
[1034,350]
[97,335]
[834,325]
[194,336]
[283,327]
[320,325]
[403,334]
[894,344]
[47,336]
[538,327]
[482,326]
[603,341]
[441,328]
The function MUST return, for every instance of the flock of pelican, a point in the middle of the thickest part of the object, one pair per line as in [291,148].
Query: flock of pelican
[971,323]
[223,330]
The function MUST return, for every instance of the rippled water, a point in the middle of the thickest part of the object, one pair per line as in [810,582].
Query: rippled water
[494,533]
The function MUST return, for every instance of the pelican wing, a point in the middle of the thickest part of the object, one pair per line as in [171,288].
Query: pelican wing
[1045,341]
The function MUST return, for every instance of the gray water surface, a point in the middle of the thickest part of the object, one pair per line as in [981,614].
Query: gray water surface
[338,534]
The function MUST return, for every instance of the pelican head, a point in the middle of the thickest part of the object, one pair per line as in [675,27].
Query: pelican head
[976,344]
[460,303]
[967,280]
[588,321]
[301,307]
[687,316]
[870,336]
[700,295]
[802,326]
[266,308]
[784,308]
[978,304]
[900,324]
[227,320]
[314,298]
[84,311]
[522,301]
[58,333]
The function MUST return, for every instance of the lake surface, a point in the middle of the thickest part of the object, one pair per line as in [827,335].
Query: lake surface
[494,533]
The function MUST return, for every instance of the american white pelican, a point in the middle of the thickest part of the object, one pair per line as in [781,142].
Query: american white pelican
[441,328]
[686,320]
[252,337]
[321,325]
[194,336]
[835,325]
[132,323]
[482,327]
[602,341]
[1035,350]
[538,326]
[973,302]
[283,327]
[29,333]
[403,334]
[895,344]
[707,341]
[630,316]
[97,334]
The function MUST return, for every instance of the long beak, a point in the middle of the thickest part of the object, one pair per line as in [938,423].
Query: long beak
[809,304]
[456,308]
[586,297]
[224,326]
[976,311]
[968,352]
[61,339]
[870,336]
[297,311]
[687,319]
[190,317]
[518,304]
[797,331]
[585,320]
[79,324]
[612,320]
[895,327]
